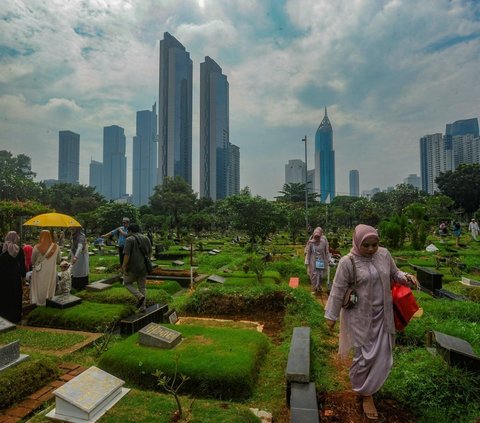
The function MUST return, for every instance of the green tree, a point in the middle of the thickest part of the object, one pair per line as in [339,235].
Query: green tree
[73,199]
[295,193]
[12,211]
[109,216]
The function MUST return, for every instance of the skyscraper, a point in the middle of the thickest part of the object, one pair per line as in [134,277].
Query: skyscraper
[413,180]
[295,172]
[214,131]
[114,180]
[433,160]
[233,169]
[96,175]
[324,161]
[354,179]
[462,127]
[68,157]
[144,156]
[174,111]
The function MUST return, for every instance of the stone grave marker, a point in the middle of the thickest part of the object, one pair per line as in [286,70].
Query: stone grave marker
[63,301]
[154,335]
[212,253]
[178,263]
[6,325]
[98,286]
[469,282]
[216,279]
[216,250]
[10,355]
[87,397]
[135,322]
[171,316]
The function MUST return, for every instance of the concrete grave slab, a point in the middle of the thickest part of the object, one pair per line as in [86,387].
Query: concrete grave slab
[154,335]
[63,301]
[98,286]
[6,325]
[134,323]
[10,355]
[216,279]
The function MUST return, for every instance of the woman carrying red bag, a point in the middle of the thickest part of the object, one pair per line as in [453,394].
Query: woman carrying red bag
[368,327]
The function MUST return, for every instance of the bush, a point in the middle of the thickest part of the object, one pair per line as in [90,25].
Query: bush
[120,295]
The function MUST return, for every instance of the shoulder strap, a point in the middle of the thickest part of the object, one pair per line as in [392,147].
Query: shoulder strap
[354,273]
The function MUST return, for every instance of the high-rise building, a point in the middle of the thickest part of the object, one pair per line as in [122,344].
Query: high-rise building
[174,111]
[434,158]
[68,157]
[324,161]
[311,180]
[214,131]
[354,179]
[96,175]
[114,180]
[466,149]
[144,164]
[295,172]
[462,127]
[413,180]
[233,169]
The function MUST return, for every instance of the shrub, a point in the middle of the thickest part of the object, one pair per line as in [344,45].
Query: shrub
[120,295]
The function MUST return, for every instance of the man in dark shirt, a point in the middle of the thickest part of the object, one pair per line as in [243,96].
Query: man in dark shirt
[137,246]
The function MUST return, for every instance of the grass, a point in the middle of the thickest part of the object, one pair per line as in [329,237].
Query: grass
[44,341]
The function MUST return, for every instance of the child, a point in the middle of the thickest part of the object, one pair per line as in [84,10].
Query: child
[65,278]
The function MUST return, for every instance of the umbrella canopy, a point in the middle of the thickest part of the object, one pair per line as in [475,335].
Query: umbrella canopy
[52,219]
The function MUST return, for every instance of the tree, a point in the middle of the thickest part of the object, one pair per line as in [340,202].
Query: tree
[11,211]
[109,216]
[295,193]
[174,198]
[462,185]
[73,199]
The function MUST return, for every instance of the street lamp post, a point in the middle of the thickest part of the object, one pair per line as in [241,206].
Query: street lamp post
[306,189]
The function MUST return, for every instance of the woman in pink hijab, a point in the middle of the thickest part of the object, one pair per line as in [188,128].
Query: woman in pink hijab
[317,256]
[368,328]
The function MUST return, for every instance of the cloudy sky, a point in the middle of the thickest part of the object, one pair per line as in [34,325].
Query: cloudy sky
[388,71]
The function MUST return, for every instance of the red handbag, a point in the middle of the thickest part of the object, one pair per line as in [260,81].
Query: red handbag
[404,305]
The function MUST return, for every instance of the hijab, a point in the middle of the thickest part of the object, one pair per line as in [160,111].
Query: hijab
[11,244]
[360,234]
[317,231]
[44,244]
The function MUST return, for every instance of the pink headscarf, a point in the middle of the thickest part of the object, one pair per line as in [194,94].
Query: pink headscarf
[318,231]
[11,244]
[361,233]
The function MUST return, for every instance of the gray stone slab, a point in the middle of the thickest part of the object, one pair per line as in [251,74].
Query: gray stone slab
[98,286]
[155,335]
[171,316]
[303,403]
[88,396]
[216,250]
[470,282]
[10,355]
[178,262]
[6,325]
[135,322]
[298,415]
[298,365]
[212,253]
[63,301]
[216,279]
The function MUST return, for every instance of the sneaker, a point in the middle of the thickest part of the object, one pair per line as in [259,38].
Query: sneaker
[140,302]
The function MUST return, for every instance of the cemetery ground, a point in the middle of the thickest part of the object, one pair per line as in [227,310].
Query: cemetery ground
[237,333]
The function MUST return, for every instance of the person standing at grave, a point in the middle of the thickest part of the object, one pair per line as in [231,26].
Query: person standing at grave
[368,327]
[474,229]
[457,231]
[317,258]
[45,257]
[80,259]
[121,232]
[137,247]
[12,269]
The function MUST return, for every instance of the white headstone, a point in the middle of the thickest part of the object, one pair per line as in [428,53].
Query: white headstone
[98,286]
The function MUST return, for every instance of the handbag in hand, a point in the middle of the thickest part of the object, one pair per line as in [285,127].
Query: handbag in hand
[404,305]
[351,298]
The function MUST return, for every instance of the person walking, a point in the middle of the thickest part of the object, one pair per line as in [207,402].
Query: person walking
[474,229]
[12,270]
[317,258]
[121,232]
[79,258]
[457,232]
[137,247]
[368,327]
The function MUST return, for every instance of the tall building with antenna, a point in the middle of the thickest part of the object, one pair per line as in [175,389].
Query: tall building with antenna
[324,161]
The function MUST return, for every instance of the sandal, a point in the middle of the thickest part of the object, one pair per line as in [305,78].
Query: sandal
[369,408]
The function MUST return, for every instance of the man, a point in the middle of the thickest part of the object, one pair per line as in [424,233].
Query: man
[121,232]
[474,229]
[137,246]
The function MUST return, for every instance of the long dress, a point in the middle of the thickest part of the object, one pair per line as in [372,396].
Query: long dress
[317,251]
[12,269]
[80,268]
[44,281]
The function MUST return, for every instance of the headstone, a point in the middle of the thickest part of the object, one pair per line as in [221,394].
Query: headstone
[178,263]
[455,351]
[430,280]
[171,316]
[303,403]
[470,282]
[443,293]
[216,251]
[134,323]
[10,355]
[212,253]
[6,325]
[63,301]
[293,283]
[298,364]
[98,286]
[154,335]
[87,397]
[216,279]
[185,248]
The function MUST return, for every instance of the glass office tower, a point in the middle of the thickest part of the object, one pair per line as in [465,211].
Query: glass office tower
[68,157]
[325,161]
[114,169]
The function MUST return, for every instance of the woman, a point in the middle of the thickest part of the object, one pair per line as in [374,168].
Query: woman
[367,328]
[80,259]
[45,257]
[317,257]
[12,270]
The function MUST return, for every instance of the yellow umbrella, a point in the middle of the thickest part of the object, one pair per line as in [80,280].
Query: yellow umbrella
[52,219]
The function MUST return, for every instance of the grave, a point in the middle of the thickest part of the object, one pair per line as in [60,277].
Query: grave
[111,280]
[443,293]
[178,263]
[430,280]
[212,253]
[303,403]
[171,316]
[134,323]
[6,325]
[455,351]
[293,283]
[155,335]
[63,301]
[98,286]
[470,282]
[10,355]
[298,364]
[216,279]
[87,397]
[216,251]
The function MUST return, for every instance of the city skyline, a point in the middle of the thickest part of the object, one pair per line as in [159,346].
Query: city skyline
[383,83]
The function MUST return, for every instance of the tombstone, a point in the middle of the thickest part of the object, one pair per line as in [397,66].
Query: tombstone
[303,403]
[216,279]
[185,248]
[470,282]
[293,282]
[216,251]
[10,355]
[154,335]
[455,351]
[430,280]
[212,253]
[63,301]
[134,323]
[6,325]
[88,396]
[298,364]
[98,286]
[171,316]
[178,263]
[443,293]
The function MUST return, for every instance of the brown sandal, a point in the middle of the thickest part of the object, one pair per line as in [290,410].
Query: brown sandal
[369,408]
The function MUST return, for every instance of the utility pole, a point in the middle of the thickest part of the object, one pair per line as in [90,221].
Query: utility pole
[306,189]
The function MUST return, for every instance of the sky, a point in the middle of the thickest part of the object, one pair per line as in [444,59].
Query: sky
[389,72]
